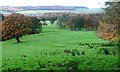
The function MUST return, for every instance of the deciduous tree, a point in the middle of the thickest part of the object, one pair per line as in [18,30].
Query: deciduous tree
[110,26]
[15,26]
[36,25]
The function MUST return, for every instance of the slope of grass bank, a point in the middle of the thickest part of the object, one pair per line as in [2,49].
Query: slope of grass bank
[59,49]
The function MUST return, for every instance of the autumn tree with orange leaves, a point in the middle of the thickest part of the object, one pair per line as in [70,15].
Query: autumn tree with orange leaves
[15,26]
[109,27]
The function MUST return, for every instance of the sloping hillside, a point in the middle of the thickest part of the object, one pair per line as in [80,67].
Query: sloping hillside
[57,49]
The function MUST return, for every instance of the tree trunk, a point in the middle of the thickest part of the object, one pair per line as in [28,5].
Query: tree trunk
[18,40]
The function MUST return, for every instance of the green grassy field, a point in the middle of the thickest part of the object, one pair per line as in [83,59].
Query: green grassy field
[59,49]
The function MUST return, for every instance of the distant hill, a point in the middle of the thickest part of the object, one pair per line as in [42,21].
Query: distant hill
[52,7]
[42,9]
[90,10]
[22,8]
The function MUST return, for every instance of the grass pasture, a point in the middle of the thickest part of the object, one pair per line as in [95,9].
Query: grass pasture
[59,49]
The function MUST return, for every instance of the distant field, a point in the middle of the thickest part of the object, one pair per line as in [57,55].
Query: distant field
[33,11]
[91,10]
[30,12]
[5,12]
[39,11]
[58,49]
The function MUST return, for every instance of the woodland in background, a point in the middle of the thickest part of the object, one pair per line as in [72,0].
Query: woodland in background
[107,24]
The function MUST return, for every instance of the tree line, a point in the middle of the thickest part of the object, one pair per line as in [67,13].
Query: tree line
[107,25]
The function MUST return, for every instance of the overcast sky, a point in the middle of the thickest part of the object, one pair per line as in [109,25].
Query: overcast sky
[87,3]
